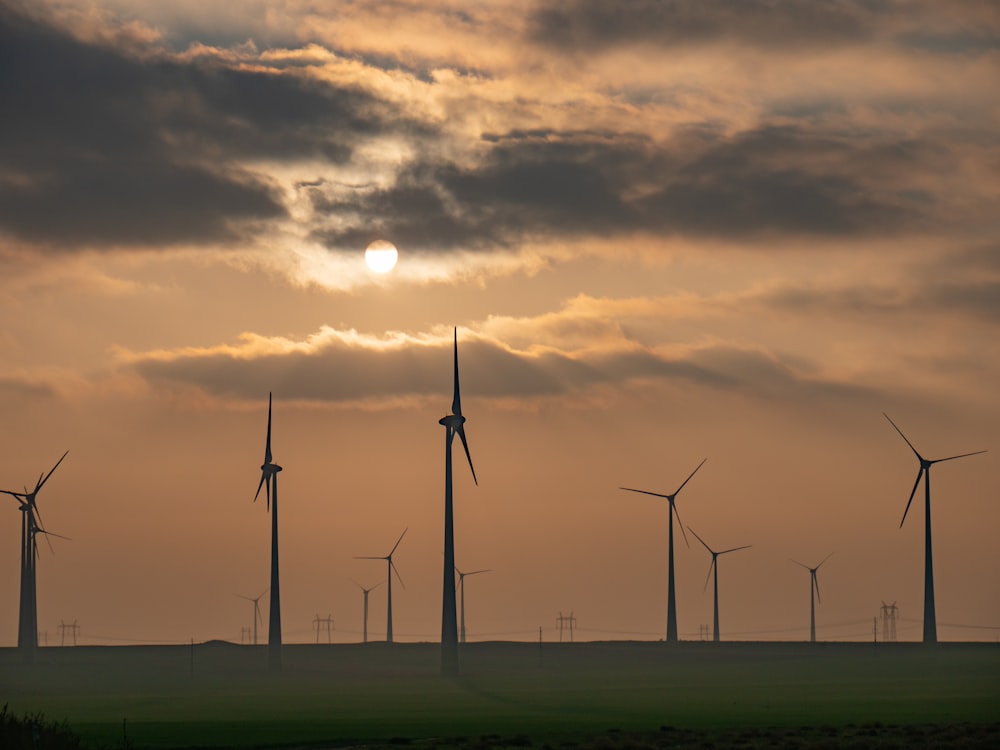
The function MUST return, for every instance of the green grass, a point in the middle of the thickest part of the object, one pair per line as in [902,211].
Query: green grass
[337,695]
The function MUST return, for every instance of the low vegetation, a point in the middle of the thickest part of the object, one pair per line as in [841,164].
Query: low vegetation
[560,697]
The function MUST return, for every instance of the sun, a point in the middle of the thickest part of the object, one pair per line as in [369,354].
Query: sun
[381,256]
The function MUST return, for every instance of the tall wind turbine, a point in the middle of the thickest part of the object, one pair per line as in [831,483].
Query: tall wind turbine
[813,596]
[461,590]
[390,569]
[930,616]
[454,424]
[714,568]
[269,481]
[31,526]
[366,592]
[671,597]
[256,611]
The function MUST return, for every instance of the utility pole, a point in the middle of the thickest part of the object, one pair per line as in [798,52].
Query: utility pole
[572,622]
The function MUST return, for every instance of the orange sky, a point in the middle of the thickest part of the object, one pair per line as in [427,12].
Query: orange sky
[687,230]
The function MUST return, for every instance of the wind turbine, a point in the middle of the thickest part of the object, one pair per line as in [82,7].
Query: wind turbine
[671,597]
[269,481]
[813,595]
[256,612]
[390,569]
[366,592]
[31,526]
[454,424]
[714,568]
[930,616]
[461,589]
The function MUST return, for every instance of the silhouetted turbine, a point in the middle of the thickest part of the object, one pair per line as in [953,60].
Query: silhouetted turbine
[714,567]
[269,481]
[256,611]
[366,592]
[31,526]
[930,615]
[454,424]
[461,588]
[390,569]
[671,597]
[813,596]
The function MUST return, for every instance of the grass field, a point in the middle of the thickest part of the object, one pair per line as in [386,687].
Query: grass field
[220,695]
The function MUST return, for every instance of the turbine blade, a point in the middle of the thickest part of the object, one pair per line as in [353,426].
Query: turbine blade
[816,582]
[801,564]
[673,507]
[267,445]
[399,540]
[263,476]
[456,402]
[734,549]
[920,475]
[710,567]
[465,444]
[646,492]
[692,474]
[474,572]
[904,437]
[41,482]
[370,557]
[398,576]
[701,540]
[824,560]
[272,480]
[52,533]
[952,458]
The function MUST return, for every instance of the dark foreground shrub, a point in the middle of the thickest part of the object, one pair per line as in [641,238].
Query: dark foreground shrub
[33,732]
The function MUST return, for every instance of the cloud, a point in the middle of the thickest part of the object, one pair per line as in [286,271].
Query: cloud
[769,180]
[99,146]
[585,25]
[347,367]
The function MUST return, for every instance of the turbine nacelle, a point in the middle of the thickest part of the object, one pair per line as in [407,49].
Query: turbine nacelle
[453,421]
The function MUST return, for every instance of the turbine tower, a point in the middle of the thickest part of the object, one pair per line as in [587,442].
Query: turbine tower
[454,424]
[461,590]
[31,527]
[813,596]
[714,568]
[930,616]
[256,611]
[269,480]
[366,592]
[390,569]
[671,596]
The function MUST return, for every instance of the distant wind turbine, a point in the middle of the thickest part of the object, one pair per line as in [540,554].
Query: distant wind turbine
[31,526]
[454,424]
[930,615]
[366,592]
[714,568]
[390,569]
[269,481]
[671,596]
[813,595]
[256,611]
[461,590]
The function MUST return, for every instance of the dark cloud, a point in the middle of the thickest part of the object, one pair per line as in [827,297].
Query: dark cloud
[588,25]
[336,372]
[766,181]
[99,147]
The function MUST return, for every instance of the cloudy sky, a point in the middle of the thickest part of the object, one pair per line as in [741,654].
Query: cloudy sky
[665,231]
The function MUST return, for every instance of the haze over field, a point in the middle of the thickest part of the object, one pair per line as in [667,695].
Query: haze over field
[664,232]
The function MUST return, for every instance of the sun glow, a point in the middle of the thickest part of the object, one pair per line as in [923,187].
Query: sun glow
[381,256]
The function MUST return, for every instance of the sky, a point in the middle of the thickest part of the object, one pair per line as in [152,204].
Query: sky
[665,232]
